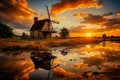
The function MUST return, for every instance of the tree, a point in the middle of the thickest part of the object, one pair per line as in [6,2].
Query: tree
[24,36]
[104,37]
[6,31]
[112,38]
[64,33]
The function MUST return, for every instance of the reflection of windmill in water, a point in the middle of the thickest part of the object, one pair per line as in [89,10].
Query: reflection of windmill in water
[43,60]
[42,29]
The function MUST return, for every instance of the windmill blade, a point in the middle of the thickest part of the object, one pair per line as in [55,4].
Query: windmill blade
[48,12]
[48,77]
[50,24]
[50,17]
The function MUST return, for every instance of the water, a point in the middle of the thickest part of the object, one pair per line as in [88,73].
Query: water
[93,61]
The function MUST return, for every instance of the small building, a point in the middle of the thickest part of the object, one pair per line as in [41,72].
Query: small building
[41,29]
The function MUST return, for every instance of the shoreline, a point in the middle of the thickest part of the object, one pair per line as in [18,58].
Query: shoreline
[12,44]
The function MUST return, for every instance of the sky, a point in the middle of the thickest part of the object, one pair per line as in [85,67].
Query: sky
[80,17]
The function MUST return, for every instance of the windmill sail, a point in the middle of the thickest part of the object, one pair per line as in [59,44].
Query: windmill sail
[50,24]
[50,27]
[48,12]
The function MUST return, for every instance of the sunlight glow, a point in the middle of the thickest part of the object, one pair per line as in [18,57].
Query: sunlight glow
[88,46]
[89,34]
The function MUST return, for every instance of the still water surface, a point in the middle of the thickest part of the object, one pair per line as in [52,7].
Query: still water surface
[82,62]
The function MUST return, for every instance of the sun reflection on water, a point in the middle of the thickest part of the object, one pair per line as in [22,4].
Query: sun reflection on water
[88,46]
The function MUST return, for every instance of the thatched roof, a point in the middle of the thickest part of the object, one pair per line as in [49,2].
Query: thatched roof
[39,24]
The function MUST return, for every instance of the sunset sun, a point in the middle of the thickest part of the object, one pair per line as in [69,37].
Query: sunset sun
[88,34]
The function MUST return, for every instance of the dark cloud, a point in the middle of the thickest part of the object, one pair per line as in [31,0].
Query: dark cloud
[105,23]
[113,23]
[65,5]
[108,14]
[16,13]
[99,4]
[86,15]
[94,19]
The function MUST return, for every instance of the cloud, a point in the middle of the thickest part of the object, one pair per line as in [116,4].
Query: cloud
[65,5]
[99,4]
[112,24]
[79,65]
[84,28]
[84,15]
[118,14]
[80,15]
[94,19]
[108,15]
[76,29]
[97,23]
[16,13]
[109,23]
[23,3]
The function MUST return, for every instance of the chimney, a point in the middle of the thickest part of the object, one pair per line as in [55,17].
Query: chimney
[35,19]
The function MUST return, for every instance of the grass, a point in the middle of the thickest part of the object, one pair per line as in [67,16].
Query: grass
[72,42]
[15,44]
[24,46]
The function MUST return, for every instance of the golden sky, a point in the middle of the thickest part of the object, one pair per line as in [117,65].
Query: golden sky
[81,17]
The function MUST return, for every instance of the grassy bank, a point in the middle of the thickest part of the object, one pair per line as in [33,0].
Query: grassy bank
[72,42]
[18,44]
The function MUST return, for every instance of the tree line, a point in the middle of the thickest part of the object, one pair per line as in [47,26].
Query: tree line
[6,31]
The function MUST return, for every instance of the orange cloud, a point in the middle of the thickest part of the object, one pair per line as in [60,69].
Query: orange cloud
[16,13]
[99,4]
[65,5]
[62,71]
[80,15]
[23,3]
[79,65]
[108,15]
[118,14]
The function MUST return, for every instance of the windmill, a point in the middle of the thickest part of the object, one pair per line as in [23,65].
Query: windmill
[42,29]
[50,24]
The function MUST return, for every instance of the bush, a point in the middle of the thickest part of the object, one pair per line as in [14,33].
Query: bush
[64,33]
[24,36]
